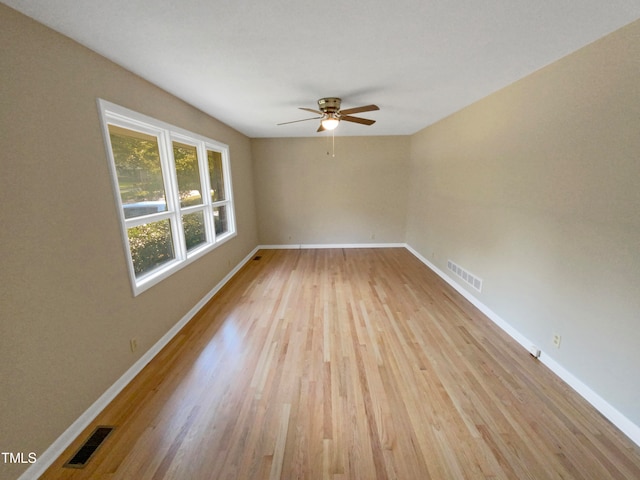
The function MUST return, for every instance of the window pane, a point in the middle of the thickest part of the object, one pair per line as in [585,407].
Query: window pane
[194,231]
[216,176]
[189,185]
[220,219]
[139,172]
[151,245]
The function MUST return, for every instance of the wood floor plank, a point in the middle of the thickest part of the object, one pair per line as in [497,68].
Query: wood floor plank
[349,364]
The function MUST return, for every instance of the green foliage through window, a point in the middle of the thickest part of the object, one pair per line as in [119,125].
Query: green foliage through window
[151,246]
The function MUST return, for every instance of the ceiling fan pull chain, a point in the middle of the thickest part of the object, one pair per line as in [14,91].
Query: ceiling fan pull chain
[333,143]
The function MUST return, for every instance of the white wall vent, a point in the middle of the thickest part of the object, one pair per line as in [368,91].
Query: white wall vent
[465,275]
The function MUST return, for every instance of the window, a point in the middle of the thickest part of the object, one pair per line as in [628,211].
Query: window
[161,177]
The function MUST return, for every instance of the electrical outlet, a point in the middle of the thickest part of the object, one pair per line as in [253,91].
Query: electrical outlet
[556,340]
[133,343]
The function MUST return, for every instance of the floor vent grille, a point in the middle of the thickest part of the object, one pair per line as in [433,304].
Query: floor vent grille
[89,447]
[465,275]
[257,257]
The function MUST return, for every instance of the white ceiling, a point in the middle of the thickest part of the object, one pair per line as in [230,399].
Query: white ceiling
[251,63]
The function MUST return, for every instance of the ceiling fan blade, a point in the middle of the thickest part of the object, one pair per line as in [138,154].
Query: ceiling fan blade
[311,110]
[363,121]
[296,121]
[366,108]
[321,128]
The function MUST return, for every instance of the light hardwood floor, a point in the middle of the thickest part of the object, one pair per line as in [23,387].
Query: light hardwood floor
[349,364]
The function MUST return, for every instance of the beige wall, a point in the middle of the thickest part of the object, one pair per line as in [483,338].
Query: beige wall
[535,189]
[67,311]
[306,196]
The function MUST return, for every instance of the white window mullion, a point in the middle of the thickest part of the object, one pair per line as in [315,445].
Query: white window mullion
[226,168]
[155,217]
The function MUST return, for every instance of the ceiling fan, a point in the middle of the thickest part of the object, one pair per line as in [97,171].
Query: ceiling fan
[331,115]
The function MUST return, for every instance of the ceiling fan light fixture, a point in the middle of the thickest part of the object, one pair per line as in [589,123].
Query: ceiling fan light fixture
[330,123]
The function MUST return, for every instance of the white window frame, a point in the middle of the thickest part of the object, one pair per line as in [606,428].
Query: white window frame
[112,114]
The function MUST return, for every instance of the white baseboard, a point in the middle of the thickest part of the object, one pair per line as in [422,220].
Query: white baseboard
[629,428]
[302,246]
[625,425]
[70,434]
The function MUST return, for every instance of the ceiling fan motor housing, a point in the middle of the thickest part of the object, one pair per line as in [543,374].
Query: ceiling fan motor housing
[329,105]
